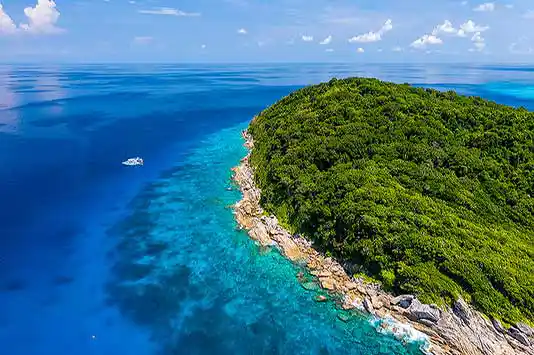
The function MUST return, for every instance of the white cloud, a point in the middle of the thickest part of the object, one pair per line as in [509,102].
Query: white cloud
[471,27]
[477,37]
[327,40]
[464,3]
[7,26]
[169,11]
[329,50]
[446,27]
[360,50]
[42,18]
[366,37]
[203,46]
[478,42]
[396,49]
[426,40]
[465,28]
[307,38]
[485,7]
[242,31]
[373,36]
[387,26]
[509,6]
[529,14]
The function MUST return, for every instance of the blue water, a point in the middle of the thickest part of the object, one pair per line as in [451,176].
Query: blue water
[99,258]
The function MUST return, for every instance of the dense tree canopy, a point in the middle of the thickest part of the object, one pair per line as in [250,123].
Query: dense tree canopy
[430,192]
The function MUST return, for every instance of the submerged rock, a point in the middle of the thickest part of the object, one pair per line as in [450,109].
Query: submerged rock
[320,298]
[310,286]
[343,317]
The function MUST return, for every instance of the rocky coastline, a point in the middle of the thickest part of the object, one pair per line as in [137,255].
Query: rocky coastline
[456,330]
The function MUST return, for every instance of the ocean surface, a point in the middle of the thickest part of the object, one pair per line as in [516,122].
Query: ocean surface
[101,258]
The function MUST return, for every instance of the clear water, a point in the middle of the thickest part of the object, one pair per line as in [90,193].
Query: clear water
[99,258]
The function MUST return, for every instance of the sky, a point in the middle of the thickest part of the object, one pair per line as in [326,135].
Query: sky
[266,31]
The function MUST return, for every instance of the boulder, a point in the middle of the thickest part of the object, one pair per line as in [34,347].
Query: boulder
[418,311]
[271,224]
[321,273]
[320,298]
[519,336]
[401,311]
[461,309]
[361,289]
[525,329]
[427,322]
[371,292]
[403,300]
[347,306]
[377,302]
[351,301]
[259,233]
[328,283]
[498,326]
[382,312]
[368,305]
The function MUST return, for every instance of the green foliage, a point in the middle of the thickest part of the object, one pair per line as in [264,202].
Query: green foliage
[388,279]
[365,278]
[429,191]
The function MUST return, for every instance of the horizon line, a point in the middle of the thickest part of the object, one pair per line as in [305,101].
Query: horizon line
[264,63]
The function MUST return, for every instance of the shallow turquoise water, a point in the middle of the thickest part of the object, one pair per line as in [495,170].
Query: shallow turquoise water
[231,296]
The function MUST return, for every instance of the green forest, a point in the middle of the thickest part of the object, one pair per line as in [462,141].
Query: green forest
[428,192]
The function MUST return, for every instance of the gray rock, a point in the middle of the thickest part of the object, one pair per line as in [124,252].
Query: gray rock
[525,329]
[418,311]
[517,335]
[426,322]
[403,300]
[498,326]
[461,309]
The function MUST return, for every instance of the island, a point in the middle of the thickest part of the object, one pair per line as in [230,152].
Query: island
[411,202]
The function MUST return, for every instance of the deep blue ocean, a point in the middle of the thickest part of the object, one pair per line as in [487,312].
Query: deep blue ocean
[97,258]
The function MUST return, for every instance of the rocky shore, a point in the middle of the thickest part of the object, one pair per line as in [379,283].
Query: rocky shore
[456,330]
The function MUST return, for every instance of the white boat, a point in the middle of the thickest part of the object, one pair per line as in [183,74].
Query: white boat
[133,161]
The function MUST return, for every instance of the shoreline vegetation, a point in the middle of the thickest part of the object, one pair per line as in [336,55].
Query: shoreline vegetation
[309,122]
